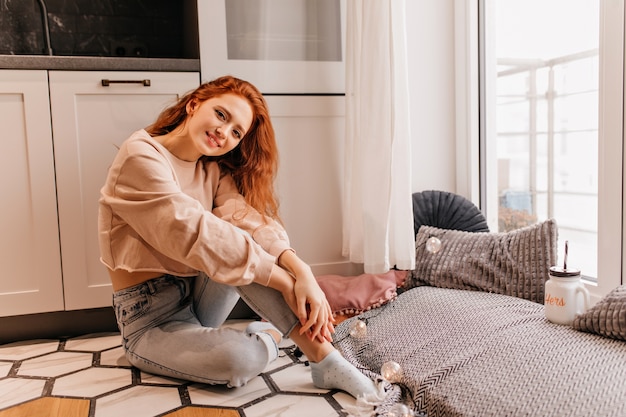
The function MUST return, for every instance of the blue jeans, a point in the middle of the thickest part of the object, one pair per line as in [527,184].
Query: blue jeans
[171,326]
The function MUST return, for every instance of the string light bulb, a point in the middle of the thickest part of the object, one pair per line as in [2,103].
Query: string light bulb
[391,371]
[433,244]
[400,410]
[358,329]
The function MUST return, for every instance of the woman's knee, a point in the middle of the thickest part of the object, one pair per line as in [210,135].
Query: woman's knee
[240,362]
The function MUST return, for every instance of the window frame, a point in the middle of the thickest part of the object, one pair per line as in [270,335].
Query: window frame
[472,85]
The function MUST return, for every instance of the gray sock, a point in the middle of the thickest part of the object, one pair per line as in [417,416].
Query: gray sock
[334,371]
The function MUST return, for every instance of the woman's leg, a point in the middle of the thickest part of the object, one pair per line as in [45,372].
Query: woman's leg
[213,301]
[162,335]
[270,305]
[329,369]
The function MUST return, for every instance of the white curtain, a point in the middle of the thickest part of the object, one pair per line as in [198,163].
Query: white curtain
[377,210]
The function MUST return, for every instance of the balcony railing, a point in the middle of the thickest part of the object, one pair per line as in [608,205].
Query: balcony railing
[547,144]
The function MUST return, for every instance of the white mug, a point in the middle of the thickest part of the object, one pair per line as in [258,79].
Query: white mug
[565,295]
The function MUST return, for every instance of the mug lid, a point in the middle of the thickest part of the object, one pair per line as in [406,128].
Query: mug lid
[559,271]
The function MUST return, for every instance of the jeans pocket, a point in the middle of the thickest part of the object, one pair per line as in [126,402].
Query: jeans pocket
[132,306]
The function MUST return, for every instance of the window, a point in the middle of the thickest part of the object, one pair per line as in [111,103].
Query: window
[551,124]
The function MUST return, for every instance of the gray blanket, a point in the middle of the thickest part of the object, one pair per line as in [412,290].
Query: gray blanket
[472,353]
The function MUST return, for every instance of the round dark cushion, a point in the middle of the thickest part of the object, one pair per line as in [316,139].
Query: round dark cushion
[447,210]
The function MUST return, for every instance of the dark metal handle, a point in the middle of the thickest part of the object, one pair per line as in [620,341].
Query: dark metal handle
[106,83]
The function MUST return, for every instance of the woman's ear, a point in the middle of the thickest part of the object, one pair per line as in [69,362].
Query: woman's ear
[191,106]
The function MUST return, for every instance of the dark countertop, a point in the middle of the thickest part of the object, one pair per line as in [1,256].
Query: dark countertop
[97,63]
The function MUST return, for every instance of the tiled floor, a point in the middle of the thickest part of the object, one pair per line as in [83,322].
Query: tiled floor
[89,377]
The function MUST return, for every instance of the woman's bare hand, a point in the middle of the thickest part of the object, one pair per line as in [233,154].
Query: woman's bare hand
[312,307]
[314,311]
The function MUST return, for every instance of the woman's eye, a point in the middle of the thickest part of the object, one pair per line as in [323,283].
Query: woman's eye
[220,114]
[237,134]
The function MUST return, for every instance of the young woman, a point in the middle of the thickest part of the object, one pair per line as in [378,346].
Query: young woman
[188,223]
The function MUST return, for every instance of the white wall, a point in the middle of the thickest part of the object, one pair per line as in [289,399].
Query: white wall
[430,42]
[310,132]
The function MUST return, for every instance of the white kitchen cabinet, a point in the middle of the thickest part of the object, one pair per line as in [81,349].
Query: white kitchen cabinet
[92,114]
[281,46]
[29,236]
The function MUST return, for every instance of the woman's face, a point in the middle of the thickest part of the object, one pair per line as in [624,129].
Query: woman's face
[216,126]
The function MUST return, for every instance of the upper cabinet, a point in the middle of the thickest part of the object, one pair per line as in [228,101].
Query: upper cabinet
[281,46]
[92,114]
[65,125]
[31,279]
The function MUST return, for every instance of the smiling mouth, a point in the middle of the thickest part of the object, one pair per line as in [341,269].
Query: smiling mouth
[213,141]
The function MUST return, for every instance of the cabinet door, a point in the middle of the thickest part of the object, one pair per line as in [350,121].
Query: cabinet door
[90,121]
[29,235]
[281,46]
[310,181]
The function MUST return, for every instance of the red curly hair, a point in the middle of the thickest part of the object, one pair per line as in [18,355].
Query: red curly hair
[254,162]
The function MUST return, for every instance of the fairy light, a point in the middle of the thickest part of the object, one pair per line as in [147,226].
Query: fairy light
[433,244]
[358,329]
[391,371]
[400,410]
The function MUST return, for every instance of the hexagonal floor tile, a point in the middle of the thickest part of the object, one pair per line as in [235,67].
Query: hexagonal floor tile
[94,342]
[114,357]
[296,378]
[22,350]
[138,401]
[15,391]
[5,368]
[281,361]
[50,406]
[55,364]
[92,382]
[292,406]
[147,378]
[345,400]
[221,395]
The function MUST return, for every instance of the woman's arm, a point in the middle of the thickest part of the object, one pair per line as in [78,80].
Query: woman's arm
[231,206]
[313,309]
[142,201]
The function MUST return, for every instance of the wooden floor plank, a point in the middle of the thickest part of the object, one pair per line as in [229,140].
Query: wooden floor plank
[49,407]
[203,412]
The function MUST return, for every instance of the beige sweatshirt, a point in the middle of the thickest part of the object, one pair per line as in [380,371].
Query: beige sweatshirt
[160,213]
